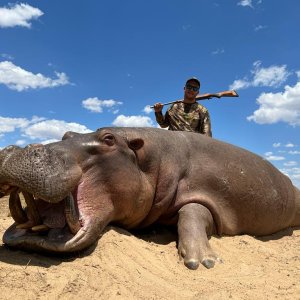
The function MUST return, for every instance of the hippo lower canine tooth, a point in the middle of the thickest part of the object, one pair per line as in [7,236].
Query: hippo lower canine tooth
[71,213]
[16,209]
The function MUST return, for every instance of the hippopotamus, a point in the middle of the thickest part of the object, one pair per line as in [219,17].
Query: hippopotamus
[136,177]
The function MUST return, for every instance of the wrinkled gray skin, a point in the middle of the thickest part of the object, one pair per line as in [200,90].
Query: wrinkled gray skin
[135,177]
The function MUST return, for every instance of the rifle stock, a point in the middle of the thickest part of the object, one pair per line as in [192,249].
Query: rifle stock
[231,93]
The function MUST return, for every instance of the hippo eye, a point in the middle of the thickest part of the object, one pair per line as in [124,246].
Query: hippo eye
[109,139]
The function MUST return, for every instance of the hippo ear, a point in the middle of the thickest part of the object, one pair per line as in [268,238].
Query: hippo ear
[136,144]
[69,134]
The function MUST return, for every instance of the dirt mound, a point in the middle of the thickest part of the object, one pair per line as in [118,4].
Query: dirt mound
[146,266]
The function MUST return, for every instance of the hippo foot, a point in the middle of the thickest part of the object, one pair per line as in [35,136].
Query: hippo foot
[207,262]
[195,223]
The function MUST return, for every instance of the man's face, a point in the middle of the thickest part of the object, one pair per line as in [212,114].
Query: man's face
[191,90]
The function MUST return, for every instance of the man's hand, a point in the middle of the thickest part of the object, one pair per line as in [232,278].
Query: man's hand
[158,107]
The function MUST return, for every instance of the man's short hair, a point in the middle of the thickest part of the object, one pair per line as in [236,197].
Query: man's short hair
[194,79]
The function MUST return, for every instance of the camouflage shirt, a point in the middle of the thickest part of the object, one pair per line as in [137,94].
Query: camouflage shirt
[186,117]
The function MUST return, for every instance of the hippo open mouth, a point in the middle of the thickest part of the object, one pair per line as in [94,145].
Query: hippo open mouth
[63,213]
[41,225]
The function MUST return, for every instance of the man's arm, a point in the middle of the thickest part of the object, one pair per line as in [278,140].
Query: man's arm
[206,128]
[161,119]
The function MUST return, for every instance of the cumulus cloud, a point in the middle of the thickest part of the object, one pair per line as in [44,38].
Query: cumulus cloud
[50,141]
[245,3]
[16,78]
[18,15]
[133,121]
[272,76]
[276,145]
[147,109]
[260,27]
[6,56]
[39,129]
[294,152]
[279,107]
[269,156]
[11,124]
[218,51]
[52,129]
[290,145]
[291,163]
[96,105]
[293,173]
[20,143]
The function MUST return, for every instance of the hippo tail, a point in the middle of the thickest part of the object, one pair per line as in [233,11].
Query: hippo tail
[296,221]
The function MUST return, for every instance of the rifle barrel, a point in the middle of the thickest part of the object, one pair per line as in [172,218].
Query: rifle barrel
[232,93]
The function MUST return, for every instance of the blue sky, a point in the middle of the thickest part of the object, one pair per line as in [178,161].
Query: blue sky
[80,65]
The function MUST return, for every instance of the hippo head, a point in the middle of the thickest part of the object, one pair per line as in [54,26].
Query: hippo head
[72,189]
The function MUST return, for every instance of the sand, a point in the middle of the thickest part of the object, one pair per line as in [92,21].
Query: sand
[126,265]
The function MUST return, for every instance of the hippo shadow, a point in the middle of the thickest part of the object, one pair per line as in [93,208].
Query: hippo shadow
[45,259]
[158,234]
[277,235]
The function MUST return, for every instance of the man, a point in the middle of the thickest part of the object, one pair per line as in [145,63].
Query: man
[187,115]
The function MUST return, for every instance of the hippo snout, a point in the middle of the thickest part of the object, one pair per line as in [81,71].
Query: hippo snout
[38,169]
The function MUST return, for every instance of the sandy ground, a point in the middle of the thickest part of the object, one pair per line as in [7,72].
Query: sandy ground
[146,266]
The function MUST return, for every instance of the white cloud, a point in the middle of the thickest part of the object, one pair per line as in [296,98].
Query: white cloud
[147,109]
[133,121]
[278,107]
[294,152]
[239,84]
[260,27]
[276,145]
[50,141]
[291,163]
[20,142]
[245,3]
[96,105]
[218,51]
[269,156]
[289,145]
[293,174]
[10,124]
[7,56]
[44,131]
[52,129]
[19,79]
[272,76]
[18,15]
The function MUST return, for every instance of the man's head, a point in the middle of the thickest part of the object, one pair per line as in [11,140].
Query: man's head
[191,89]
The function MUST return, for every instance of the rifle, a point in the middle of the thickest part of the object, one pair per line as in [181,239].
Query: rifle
[208,96]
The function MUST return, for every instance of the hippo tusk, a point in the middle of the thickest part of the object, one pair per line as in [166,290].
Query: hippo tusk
[33,217]
[16,209]
[33,213]
[40,228]
[71,214]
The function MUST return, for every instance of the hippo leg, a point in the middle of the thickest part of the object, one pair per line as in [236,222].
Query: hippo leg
[195,224]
